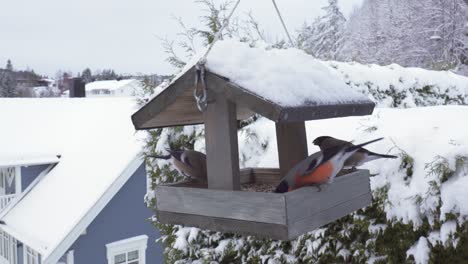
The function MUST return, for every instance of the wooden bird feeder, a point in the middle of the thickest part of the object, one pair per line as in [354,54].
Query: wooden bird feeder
[221,205]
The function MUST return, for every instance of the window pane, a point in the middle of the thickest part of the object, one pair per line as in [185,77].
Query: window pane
[132,255]
[120,258]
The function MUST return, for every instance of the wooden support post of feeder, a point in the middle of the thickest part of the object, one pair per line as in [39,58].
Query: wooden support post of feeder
[222,152]
[292,144]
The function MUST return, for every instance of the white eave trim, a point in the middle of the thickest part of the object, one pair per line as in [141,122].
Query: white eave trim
[24,162]
[32,243]
[26,191]
[84,222]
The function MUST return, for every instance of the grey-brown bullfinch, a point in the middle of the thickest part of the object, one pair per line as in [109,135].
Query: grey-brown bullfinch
[319,168]
[190,163]
[357,159]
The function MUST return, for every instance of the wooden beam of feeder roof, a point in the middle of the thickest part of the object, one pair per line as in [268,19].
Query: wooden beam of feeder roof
[142,119]
[176,105]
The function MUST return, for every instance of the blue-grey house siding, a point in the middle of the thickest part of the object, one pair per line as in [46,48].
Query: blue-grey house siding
[125,216]
[30,173]
[20,254]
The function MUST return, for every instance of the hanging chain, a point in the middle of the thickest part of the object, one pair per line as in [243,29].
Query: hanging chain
[282,22]
[218,34]
[201,97]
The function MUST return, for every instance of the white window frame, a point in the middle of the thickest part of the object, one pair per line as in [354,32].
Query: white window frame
[30,256]
[8,249]
[68,258]
[71,257]
[127,245]
[16,177]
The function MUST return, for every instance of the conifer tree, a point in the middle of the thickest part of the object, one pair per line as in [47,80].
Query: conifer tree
[9,65]
[7,84]
[323,39]
[87,75]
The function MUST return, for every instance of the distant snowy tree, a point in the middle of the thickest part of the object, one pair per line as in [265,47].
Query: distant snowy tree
[365,36]
[63,80]
[323,39]
[87,75]
[107,74]
[7,84]
[8,81]
[411,33]
[444,24]
[9,66]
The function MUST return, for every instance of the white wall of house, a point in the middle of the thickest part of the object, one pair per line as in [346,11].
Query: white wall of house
[113,88]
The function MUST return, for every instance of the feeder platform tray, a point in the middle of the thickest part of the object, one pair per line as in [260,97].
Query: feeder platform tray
[282,216]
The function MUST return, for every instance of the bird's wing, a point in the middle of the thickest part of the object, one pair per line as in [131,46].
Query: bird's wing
[313,164]
[186,160]
[325,156]
[334,142]
[195,159]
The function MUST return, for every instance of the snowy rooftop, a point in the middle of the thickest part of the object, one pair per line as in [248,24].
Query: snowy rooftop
[96,141]
[283,85]
[110,85]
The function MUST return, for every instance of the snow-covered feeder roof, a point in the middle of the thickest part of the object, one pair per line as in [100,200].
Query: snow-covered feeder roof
[282,85]
[98,149]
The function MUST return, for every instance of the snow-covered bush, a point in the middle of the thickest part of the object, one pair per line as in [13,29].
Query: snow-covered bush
[396,86]
[419,207]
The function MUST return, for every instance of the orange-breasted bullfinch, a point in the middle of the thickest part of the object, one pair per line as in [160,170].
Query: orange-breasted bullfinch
[357,159]
[190,163]
[319,168]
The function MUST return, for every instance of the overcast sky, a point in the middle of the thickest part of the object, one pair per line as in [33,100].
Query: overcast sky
[49,35]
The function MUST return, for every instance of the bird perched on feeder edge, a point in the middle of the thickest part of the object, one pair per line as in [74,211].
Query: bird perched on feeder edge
[190,163]
[319,168]
[357,159]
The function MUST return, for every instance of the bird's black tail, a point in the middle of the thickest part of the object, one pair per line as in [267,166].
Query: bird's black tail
[282,187]
[353,148]
[385,156]
[166,157]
